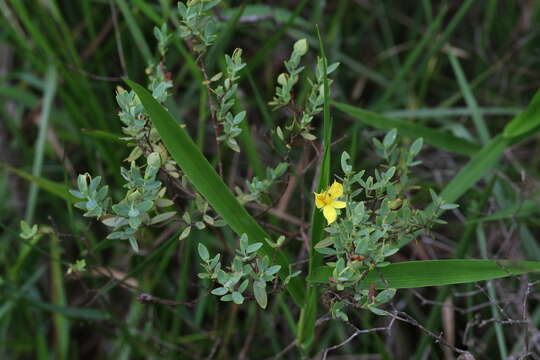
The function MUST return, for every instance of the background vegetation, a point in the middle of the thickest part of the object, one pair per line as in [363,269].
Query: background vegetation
[453,72]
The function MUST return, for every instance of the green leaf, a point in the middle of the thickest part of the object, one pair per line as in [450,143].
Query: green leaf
[260,294]
[377,311]
[439,139]
[219,291]
[207,182]
[237,298]
[253,247]
[162,217]
[134,244]
[26,231]
[414,274]
[416,146]
[526,121]
[272,270]
[385,296]
[185,233]
[390,138]
[203,252]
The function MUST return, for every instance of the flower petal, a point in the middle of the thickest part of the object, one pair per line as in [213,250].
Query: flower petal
[336,190]
[339,204]
[330,214]
[319,200]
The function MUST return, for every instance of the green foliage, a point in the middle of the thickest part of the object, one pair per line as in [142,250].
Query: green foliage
[257,188]
[378,217]
[163,37]
[315,100]
[208,183]
[78,267]
[225,95]
[313,105]
[286,81]
[197,23]
[95,202]
[27,232]
[247,267]
[140,201]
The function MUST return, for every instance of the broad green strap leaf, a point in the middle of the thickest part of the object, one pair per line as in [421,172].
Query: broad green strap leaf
[526,121]
[414,274]
[207,182]
[435,138]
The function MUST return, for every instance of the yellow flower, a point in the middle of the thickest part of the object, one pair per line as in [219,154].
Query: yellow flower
[327,200]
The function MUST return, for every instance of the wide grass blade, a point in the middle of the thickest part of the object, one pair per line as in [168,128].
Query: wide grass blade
[207,182]
[439,139]
[415,274]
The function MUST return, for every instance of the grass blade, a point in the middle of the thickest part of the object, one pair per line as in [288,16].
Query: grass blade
[135,30]
[52,187]
[411,59]
[481,236]
[50,89]
[61,323]
[262,55]
[414,274]
[478,120]
[435,138]
[525,122]
[447,112]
